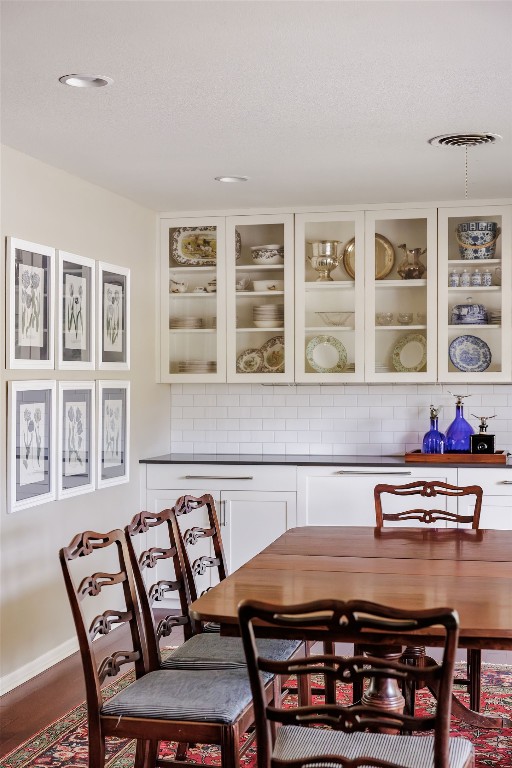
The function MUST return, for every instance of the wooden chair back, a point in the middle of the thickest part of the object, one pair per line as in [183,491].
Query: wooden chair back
[152,590]
[111,585]
[197,566]
[428,490]
[365,624]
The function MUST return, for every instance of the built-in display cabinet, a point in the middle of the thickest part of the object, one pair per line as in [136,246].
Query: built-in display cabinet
[413,294]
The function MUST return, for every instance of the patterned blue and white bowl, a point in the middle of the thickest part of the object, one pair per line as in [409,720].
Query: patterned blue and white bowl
[477,239]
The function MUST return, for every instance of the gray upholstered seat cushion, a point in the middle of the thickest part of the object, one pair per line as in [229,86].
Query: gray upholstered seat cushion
[211,651]
[294,742]
[218,696]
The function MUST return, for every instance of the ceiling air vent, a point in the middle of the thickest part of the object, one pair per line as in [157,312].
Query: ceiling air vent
[464,139]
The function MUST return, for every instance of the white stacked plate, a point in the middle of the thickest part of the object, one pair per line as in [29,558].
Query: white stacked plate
[186,322]
[197,366]
[495,317]
[268,315]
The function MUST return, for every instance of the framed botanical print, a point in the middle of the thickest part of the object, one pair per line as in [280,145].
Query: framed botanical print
[113,317]
[76,438]
[113,432]
[75,313]
[30,315]
[31,444]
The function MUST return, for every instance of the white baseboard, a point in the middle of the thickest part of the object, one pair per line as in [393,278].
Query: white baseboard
[41,664]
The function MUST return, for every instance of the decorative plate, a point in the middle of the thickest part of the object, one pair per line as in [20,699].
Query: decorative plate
[273,355]
[197,246]
[326,354]
[384,257]
[250,361]
[410,353]
[469,353]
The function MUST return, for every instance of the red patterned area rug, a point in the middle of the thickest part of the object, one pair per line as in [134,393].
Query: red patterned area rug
[63,744]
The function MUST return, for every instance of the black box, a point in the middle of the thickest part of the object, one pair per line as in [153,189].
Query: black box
[482,443]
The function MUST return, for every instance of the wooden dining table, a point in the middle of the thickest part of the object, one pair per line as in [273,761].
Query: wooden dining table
[410,568]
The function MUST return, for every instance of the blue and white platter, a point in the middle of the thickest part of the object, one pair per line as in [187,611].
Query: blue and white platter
[469,353]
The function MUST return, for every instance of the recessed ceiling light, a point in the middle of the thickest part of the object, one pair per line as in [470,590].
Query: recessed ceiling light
[231,178]
[86,81]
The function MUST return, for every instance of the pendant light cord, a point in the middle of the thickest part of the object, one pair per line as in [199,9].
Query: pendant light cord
[466,172]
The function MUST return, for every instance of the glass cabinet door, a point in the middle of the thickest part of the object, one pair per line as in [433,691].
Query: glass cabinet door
[260,298]
[329,291]
[401,291]
[474,294]
[193,300]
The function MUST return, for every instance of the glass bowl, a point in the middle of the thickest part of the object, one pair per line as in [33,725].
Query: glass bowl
[335,318]
[384,318]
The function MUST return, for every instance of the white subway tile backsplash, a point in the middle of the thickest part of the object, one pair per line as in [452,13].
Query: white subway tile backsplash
[325,420]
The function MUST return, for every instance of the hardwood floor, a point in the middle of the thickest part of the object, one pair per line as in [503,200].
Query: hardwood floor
[32,706]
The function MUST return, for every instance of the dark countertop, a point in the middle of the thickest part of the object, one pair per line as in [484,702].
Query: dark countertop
[288,459]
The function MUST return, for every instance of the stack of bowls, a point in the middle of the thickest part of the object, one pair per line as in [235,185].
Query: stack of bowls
[268,315]
[477,239]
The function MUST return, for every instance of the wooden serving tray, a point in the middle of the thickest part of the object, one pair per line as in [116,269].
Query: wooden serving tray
[500,457]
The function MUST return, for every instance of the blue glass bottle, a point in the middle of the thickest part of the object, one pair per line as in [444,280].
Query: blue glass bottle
[458,434]
[434,440]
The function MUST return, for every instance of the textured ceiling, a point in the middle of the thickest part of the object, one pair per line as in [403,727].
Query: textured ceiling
[319,103]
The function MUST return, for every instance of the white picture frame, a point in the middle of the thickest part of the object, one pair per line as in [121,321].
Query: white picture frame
[31,444]
[76,438]
[113,452]
[76,312]
[31,307]
[113,319]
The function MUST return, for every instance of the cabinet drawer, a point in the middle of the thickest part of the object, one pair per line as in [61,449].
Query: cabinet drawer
[494,482]
[217,477]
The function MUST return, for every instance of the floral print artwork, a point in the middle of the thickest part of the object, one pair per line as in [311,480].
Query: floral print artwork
[75,438]
[75,312]
[32,421]
[112,433]
[30,304]
[112,317]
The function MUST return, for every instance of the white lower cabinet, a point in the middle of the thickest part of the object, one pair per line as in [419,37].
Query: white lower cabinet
[329,495]
[255,504]
[496,484]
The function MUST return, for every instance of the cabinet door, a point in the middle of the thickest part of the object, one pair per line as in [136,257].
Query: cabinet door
[496,484]
[401,292]
[344,496]
[250,521]
[158,500]
[192,300]
[260,323]
[329,295]
[474,346]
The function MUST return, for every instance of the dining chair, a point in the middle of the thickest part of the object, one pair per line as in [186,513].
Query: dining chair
[353,735]
[159,573]
[195,567]
[212,706]
[432,490]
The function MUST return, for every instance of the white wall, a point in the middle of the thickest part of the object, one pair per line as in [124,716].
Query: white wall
[362,419]
[44,205]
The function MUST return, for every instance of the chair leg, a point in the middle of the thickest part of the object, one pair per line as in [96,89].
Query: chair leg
[357,685]
[474,664]
[96,750]
[181,750]
[146,753]
[329,683]
[229,747]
